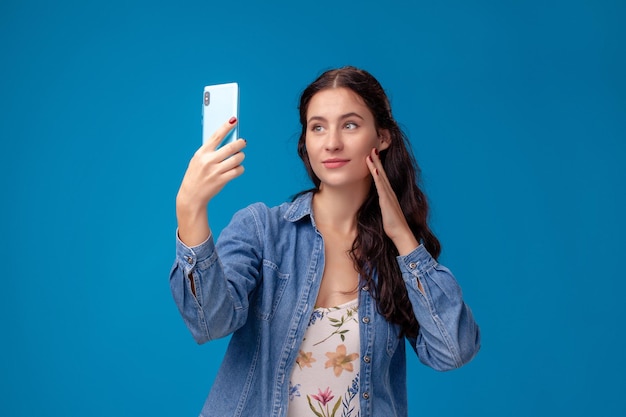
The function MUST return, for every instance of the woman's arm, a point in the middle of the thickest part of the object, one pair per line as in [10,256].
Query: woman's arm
[209,170]
[448,336]
[211,290]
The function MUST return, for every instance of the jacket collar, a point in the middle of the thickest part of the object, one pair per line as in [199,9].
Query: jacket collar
[300,208]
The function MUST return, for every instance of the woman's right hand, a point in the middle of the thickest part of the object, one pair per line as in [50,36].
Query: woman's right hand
[209,170]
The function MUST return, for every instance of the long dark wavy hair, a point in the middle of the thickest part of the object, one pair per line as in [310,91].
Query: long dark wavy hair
[372,250]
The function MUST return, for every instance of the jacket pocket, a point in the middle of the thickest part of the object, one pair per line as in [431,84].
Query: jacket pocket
[270,291]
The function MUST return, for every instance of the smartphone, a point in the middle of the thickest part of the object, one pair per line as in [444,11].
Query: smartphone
[220,102]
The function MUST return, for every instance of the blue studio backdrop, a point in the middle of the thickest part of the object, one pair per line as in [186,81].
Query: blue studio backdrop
[516,111]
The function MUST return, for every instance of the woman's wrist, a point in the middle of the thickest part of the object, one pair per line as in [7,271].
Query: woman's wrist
[406,243]
[187,204]
[193,223]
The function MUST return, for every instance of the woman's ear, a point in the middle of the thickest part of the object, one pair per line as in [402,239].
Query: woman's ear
[384,138]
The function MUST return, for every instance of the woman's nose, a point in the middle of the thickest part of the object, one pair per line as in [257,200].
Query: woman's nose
[333,140]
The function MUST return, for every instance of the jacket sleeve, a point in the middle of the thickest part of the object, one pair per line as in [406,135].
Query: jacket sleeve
[448,336]
[222,282]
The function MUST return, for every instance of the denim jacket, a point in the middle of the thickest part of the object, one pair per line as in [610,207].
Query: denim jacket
[262,289]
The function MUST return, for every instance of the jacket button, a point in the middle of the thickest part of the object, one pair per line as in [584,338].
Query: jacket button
[365,320]
[412,265]
[189,260]
[366,395]
[366,359]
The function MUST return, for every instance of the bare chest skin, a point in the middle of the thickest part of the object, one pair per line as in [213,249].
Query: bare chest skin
[340,279]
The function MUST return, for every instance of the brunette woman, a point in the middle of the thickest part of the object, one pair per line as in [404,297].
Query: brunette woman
[321,293]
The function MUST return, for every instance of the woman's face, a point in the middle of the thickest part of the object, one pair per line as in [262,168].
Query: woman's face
[340,135]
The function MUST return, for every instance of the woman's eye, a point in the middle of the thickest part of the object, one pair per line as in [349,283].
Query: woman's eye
[316,128]
[351,125]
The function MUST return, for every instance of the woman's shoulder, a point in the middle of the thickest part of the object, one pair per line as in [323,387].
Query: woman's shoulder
[268,223]
[288,210]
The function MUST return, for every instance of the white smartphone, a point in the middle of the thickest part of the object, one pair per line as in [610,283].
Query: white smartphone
[220,102]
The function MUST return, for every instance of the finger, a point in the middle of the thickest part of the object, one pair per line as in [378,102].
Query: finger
[385,191]
[230,149]
[376,169]
[222,173]
[230,175]
[216,138]
[371,165]
[231,163]
[394,221]
[234,173]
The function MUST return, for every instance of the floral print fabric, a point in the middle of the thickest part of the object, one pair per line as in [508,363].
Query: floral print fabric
[325,378]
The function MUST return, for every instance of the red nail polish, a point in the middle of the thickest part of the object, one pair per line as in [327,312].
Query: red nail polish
[376,170]
[376,151]
[232,120]
[370,157]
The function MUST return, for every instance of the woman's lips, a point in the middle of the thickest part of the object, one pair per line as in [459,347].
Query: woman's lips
[335,163]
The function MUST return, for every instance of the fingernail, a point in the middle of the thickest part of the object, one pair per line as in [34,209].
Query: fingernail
[370,157]
[232,120]
[376,170]
[376,151]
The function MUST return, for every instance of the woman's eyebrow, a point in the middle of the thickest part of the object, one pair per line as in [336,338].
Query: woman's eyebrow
[342,117]
[316,118]
[351,114]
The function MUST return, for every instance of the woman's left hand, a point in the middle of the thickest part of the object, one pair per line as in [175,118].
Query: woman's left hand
[394,222]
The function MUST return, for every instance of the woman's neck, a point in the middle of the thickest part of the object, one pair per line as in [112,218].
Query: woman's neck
[337,208]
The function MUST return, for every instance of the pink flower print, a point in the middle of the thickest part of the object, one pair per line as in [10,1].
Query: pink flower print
[323,397]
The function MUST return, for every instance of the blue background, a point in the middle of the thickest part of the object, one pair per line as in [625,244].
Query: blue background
[517,114]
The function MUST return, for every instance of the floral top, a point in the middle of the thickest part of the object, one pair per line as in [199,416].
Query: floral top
[325,379]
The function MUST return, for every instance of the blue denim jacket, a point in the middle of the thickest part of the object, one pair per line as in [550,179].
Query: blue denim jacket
[262,288]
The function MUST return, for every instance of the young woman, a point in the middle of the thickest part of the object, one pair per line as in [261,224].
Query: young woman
[320,293]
